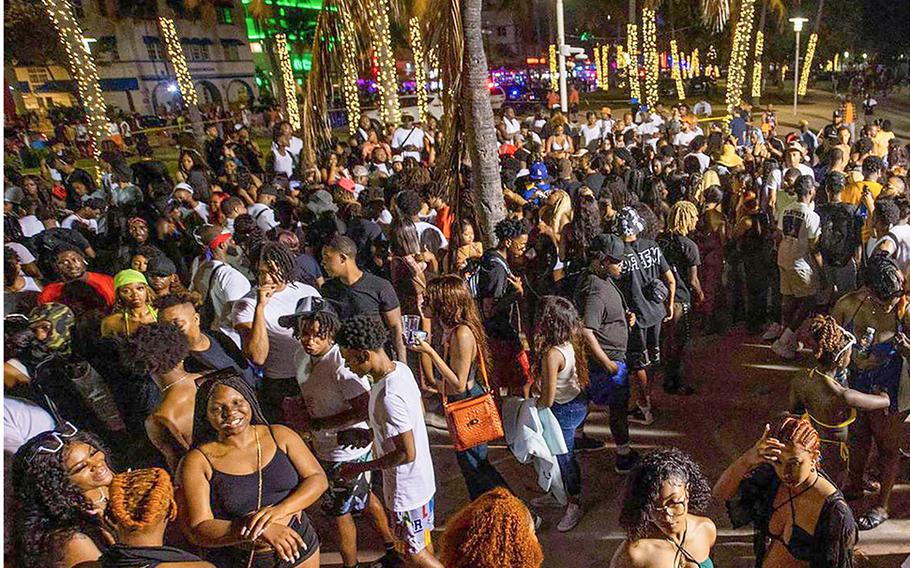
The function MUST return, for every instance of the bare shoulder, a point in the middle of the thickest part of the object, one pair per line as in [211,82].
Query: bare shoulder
[636,554]
[79,549]
[704,526]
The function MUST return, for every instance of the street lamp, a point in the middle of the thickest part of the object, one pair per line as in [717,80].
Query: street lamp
[563,51]
[797,27]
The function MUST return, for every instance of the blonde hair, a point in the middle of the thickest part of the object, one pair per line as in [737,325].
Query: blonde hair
[682,218]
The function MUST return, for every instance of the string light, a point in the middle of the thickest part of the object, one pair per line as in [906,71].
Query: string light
[736,75]
[757,64]
[649,47]
[178,60]
[807,65]
[420,69]
[598,68]
[694,64]
[287,79]
[632,71]
[622,58]
[389,108]
[349,71]
[433,59]
[82,69]
[554,77]
[836,62]
[783,72]
[676,70]
[605,61]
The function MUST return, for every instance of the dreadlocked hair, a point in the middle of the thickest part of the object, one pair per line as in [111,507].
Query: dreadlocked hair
[247,234]
[493,531]
[141,498]
[328,320]
[829,338]
[682,218]
[642,488]
[798,432]
[557,323]
[449,298]
[279,259]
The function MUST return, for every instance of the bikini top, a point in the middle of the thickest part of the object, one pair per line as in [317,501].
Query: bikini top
[850,419]
[884,350]
[706,563]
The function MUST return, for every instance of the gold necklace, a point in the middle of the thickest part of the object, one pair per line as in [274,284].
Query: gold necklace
[183,378]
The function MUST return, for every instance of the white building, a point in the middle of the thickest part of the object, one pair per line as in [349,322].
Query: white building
[132,64]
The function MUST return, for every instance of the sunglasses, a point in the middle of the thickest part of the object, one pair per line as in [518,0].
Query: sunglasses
[58,436]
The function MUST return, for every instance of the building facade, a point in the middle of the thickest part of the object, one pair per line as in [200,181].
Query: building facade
[134,72]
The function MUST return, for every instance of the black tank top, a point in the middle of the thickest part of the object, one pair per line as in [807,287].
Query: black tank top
[234,496]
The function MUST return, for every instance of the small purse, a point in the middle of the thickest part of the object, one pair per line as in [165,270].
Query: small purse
[473,421]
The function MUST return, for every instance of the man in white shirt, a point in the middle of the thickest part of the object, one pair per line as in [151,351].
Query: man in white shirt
[218,283]
[591,131]
[400,437]
[799,263]
[263,340]
[261,211]
[87,215]
[606,121]
[408,138]
[685,135]
[796,153]
[697,148]
[295,145]
[511,127]
[334,408]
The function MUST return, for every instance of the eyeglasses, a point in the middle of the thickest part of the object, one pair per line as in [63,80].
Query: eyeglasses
[674,509]
[851,341]
[57,436]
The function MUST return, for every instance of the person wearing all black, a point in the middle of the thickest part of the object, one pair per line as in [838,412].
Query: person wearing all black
[752,235]
[213,149]
[210,350]
[148,170]
[605,317]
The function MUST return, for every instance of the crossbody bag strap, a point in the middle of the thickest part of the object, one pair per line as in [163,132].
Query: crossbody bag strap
[483,373]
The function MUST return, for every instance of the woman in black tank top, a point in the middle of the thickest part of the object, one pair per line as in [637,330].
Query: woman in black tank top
[247,483]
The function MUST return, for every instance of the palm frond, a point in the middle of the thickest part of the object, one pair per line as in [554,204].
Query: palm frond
[779,8]
[715,14]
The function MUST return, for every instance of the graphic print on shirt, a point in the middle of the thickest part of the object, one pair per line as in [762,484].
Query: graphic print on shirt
[643,260]
[793,222]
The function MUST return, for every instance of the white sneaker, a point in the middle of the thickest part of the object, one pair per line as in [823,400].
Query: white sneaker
[773,332]
[570,519]
[547,500]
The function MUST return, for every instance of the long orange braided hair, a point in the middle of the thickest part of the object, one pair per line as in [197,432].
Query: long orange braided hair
[799,432]
[141,498]
[829,338]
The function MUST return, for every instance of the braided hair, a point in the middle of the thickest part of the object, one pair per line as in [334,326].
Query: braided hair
[829,338]
[141,498]
[203,431]
[798,432]
[279,259]
[682,218]
[884,277]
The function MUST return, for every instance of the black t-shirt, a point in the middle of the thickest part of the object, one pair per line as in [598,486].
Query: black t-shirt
[222,353]
[493,283]
[682,255]
[643,262]
[371,295]
[603,310]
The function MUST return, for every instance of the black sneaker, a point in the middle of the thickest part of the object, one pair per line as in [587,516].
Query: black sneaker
[585,443]
[391,559]
[683,390]
[625,462]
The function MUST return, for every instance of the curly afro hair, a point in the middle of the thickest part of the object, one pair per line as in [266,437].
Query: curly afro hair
[643,488]
[156,349]
[884,277]
[509,229]
[408,203]
[51,507]
[493,531]
[362,332]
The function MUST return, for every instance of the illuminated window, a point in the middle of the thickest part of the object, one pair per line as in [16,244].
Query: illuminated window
[256,47]
[38,75]
[226,17]
[155,51]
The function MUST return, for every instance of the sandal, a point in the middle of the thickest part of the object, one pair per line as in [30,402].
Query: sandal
[872,519]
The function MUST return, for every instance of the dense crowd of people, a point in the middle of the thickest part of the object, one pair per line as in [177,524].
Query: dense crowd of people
[196,356]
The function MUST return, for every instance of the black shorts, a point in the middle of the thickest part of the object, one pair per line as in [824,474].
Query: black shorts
[644,347]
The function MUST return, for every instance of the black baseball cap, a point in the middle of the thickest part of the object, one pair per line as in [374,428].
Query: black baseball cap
[607,247]
[160,265]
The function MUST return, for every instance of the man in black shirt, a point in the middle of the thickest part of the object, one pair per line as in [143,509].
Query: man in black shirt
[353,292]
[606,330]
[499,291]
[684,259]
[644,269]
[209,350]
[213,148]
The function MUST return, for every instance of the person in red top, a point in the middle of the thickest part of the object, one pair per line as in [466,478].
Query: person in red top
[71,265]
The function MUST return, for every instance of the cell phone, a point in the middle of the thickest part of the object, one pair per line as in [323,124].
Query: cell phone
[415,337]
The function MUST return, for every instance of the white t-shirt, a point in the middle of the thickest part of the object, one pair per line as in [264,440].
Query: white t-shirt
[263,215]
[511,126]
[31,225]
[326,386]
[280,362]
[590,134]
[902,254]
[283,164]
[25,255]
[606,126]
[684,138]
[702,108]
[431,237]
[74,219]
[396,408]
[22,421]
[799,225]
[228,286]
[405,137]
[703,161]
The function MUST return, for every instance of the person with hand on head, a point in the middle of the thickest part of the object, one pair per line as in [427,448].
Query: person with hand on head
[355,292]
[400,437]
[664,498]
[133,307]
[256,318]
[247,483]
[495,530]
[141,505]
[333,408]
[217,281]
[61,479]
[779,487]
